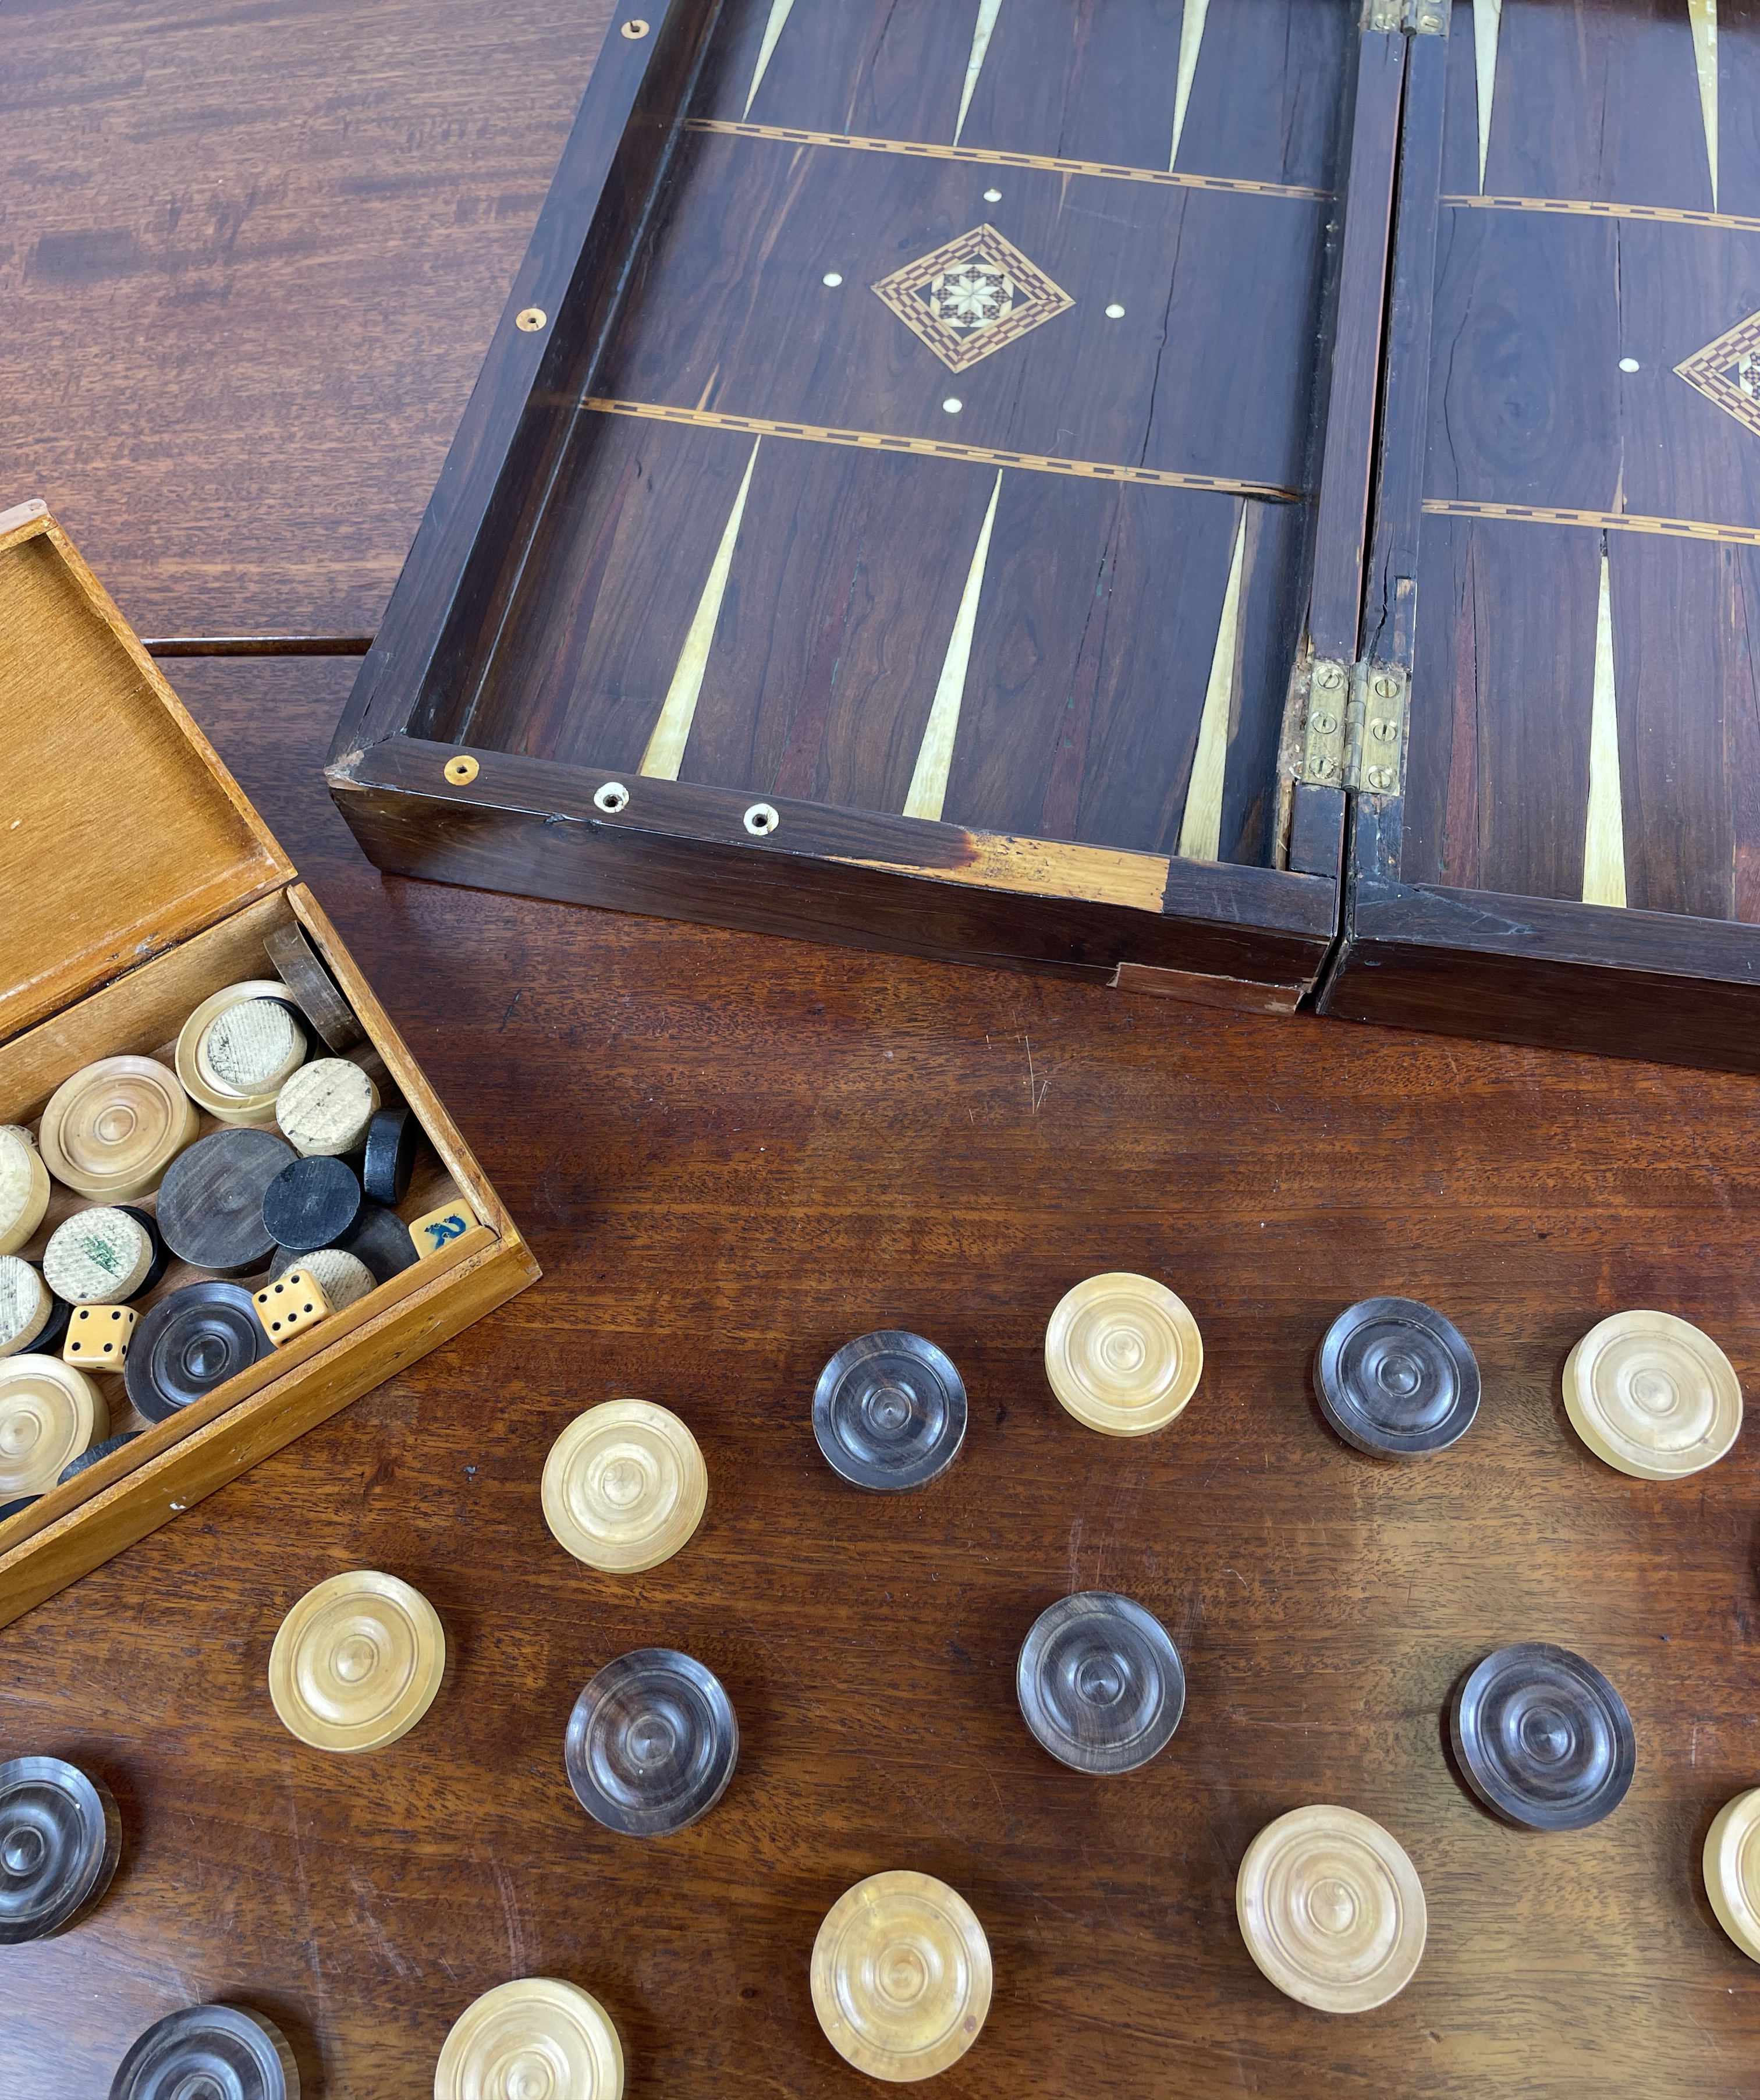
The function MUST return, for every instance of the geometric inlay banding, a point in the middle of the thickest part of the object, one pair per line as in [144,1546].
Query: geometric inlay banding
[1727,372]
[973,296]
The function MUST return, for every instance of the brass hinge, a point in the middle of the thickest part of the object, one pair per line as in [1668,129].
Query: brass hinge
[1355,735]
[1417,18]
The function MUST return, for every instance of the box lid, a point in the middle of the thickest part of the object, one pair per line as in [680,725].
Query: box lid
[120,832]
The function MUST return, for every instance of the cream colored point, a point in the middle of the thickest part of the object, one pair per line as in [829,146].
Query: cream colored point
[98,1257]
[1123,1355]
[357,1662]
[1331,1909]
[23,1191]
[533,2038]
[49,1414]
[1652,1396]
[25,1305]
[901,1976]
[324,1109]
[1731,1863]
[624,1486]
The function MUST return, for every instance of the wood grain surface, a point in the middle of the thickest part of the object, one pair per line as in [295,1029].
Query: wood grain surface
[732,1154]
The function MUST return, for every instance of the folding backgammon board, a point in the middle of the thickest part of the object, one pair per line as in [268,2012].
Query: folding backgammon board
[1001,480]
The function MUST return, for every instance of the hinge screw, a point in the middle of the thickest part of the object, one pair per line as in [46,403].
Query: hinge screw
[1322,768]
[1387,689]
[1383,732]
[1328,677]
[1321,723]
[1380,777]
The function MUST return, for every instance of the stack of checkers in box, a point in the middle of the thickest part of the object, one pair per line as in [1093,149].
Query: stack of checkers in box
[173,1221]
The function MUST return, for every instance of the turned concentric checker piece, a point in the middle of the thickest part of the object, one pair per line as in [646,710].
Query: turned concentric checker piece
[315,990]
[1123,1354]
[1652,1396]
[194,1340]
[889,1411]
[49,1414]
[1732,1870]
[209,2053]
[901,1976]
[1100,1681]
[357,1662]
[1543,1739]
[1396,1379]
[624,1486]
[1331,1909]
[111,1131]
[60,1837]
[651,1742]
[238,1049]
[534,2036]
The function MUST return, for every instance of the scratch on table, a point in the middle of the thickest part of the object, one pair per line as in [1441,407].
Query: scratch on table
[1037,1090]
[516,1949]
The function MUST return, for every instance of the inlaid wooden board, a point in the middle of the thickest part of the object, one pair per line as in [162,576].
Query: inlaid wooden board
[779,1147]
[303,222]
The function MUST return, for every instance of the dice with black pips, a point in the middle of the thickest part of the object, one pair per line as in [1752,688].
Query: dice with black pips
[98,1336]
[288,1306]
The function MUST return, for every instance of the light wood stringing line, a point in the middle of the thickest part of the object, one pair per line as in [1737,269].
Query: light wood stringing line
[1192,20]
[980,157]
[708,419]
[666,747]
[780,11]
[1595,208]
[1201,823]
[1601,521]
[929,781]
[986,24]
[1605,836]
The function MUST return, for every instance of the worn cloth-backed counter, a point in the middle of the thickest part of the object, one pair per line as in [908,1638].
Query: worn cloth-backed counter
[731,1155]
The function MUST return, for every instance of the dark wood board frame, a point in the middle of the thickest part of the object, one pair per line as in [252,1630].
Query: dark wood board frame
[1151,921]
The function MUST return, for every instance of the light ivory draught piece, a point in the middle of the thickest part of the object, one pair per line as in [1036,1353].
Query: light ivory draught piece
[901,1976]
[535,2036]
[624,1486]
[99,1257]
[344,1278]
[1123,1353]
[49,1414]
[25,1305]
[237,1050]
[110,1132]
[324,1108]
[357,1662]
[1331,1909]
[1652,1396]
[1732,1864]
[23,1192]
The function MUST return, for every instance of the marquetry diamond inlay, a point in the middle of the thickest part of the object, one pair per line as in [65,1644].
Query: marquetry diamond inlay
[971,297]
[1727,372]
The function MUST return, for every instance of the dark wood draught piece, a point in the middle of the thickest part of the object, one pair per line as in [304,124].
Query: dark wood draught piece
[210,1204]
[188,1344]
[1100,1681]
[1397,1379]
[314,989]
[381,1239]
[222,2050]
[93,1453]
[60,1839]
[1542,1738]
[392,1136]
[651,1743]
[313,1203]
[889,1411]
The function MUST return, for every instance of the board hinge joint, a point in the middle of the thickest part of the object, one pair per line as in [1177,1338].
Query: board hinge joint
[1355,733]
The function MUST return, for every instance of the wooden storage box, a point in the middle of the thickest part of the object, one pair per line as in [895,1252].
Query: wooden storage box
[135,880]
[894,499]
[721,611]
